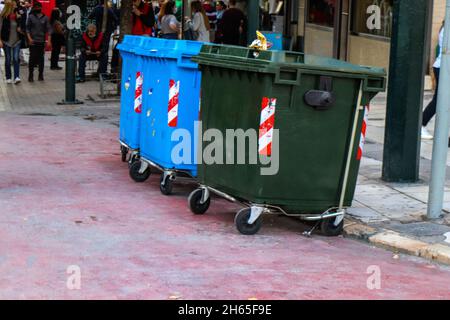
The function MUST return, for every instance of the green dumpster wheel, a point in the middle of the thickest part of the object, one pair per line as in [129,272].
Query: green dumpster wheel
[165,186]
[241,222]
[124,152]
[328,228]
[134,172]
[194,202]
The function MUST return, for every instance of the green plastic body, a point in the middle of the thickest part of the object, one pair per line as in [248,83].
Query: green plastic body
[313,144]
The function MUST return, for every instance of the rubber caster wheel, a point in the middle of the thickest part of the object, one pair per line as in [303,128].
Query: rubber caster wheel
[133,159]
[241,222]
[165,186]
[124,152]
[136,175]
[329,229]
[195,202]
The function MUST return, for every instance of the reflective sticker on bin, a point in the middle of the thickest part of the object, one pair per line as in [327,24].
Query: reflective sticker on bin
[266,125]
[363,133]
[174,92]
[138,93]
[127,83]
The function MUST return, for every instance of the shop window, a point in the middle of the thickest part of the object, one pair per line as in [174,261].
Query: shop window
[321,12]
[360,17]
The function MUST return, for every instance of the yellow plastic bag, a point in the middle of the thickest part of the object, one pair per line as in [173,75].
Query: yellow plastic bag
[260,43]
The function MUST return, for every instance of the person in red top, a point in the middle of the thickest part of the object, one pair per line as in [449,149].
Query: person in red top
[92,48]
[143,18]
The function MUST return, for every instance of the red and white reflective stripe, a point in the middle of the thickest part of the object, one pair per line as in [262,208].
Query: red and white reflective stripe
[363,133]
[138,93]
[266,125]
[174,92]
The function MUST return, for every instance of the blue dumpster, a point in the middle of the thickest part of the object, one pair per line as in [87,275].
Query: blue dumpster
[131,93]
[172,100]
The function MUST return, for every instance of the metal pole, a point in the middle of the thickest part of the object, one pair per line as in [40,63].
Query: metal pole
[440,143]
[70,96]
[359,107]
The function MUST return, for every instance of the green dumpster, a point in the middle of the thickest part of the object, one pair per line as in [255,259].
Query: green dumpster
[307,115]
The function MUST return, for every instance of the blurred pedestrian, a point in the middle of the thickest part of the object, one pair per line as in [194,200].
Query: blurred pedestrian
[430,110]
[10,39]
[58,38]
[92,49]
[112,22]
[38,27]
[157,9]
[232,25]
[220,10]
[200,23]
[143,18]
[25,7]
[210,11]
[170,26]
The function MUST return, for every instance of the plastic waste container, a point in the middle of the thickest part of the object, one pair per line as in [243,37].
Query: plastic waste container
[131,97]
[305,115]
[171,107]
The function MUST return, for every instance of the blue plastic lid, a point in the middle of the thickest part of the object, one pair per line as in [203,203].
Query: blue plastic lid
[130,43]
[167,48]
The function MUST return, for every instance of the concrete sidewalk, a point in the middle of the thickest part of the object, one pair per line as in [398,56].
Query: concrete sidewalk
[44,96]
[393,215]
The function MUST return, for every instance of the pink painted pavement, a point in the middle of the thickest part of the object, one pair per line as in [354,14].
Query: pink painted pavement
[66,199]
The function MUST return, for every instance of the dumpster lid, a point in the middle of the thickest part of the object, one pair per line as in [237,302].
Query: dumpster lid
[242,58]
[130,43]
[166,48]
[242,53]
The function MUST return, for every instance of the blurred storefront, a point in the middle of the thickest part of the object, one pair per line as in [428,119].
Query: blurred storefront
[338,28]
[334,28]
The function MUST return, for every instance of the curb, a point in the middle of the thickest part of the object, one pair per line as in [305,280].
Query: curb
[396,242]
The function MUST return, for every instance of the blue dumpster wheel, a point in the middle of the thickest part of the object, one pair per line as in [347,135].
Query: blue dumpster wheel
[241,222]
[124,152]
[328,228]
[133,159]
[194,202]
[165,186]
[134,172]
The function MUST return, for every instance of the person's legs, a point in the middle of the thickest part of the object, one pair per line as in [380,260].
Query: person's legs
[105,54]
[102,63]
[16,61]
[8,59]
[32,62]
[41,61]
[430,110]
[56,51]
[82,66]
[115,60]
[54,56]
